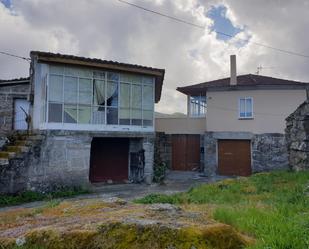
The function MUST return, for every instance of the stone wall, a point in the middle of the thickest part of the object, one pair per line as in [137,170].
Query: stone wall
[163,144]
[7,95]
[268,150]
[297,136]
[62,158]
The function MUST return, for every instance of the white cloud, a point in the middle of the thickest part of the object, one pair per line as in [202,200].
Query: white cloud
[114,31]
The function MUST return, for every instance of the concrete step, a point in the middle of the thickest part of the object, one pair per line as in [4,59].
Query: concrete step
[4,161]
[12,148]
[7,154]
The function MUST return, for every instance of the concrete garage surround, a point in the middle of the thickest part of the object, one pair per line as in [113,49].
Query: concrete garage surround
[268,150]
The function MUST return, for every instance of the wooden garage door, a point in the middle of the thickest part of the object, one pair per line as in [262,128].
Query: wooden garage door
[234,157]
[109,159]
[185,152]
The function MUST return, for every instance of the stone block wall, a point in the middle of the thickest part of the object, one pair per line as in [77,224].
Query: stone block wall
[7,96]
[163,144]
[62,158]
[297,136]
[268,151]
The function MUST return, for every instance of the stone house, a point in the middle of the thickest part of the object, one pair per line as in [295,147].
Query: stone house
[91,121]
[234,126]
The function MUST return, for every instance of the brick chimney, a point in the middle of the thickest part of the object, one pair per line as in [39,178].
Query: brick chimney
[233,79]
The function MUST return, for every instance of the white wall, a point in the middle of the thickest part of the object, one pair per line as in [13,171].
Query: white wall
[270,108]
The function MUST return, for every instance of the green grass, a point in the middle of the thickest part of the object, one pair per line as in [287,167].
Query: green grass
[29,196]
[274,207]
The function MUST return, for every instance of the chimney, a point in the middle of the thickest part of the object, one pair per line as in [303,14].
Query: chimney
[233,79]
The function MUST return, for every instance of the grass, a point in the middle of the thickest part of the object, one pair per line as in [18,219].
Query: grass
[272,207]
[29,196]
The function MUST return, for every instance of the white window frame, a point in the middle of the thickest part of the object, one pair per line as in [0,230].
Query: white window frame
[252,107]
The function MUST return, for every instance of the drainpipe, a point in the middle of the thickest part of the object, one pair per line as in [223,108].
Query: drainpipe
[233,79]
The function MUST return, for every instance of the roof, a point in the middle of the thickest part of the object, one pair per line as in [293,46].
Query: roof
[104,64]
[244,82]
[17,81]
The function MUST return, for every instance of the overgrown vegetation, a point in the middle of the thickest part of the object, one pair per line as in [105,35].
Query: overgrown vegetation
[29,196]
[159,166]
[273,207]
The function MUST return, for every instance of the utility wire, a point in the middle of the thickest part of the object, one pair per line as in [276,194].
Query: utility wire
[16,56]
[217,32]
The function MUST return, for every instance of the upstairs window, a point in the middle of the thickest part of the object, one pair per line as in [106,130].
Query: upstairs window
[197,106]
[246,108]
[85,96]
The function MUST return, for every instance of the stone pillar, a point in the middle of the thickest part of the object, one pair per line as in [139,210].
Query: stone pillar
[210,154]
[148,146]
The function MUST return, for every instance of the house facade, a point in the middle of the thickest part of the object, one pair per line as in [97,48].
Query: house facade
[244,121]
[95,119]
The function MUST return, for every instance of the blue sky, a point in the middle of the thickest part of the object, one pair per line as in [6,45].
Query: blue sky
[7,3]
[221,23]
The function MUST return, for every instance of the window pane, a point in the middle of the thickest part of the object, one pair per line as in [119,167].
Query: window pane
[248,107]
[113,76]
[56,69]
[112,115]
[55,88]
[124,116]
[99,92]
[70,114]
[136,96]
[148,102]
[70,90]
[99,75]
[132,78]
[147,80]
[147,118]
[98,115]
[55,113]
[78,72]
[112,94]
[85,91]
[84,114]
[125,95]
[136,116]
[242,108]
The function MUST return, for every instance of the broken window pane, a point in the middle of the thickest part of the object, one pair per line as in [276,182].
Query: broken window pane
[70,114]
[112,94]
[70,90]
[55,113]
[112,115]
[84,114]
[55,88]
[85,91]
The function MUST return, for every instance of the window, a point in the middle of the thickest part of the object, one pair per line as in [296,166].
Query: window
[246,108]
[197,106]
[83,96]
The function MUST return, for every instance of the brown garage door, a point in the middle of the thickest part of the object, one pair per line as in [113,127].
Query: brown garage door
[185,152]
[109,159]
[234,157]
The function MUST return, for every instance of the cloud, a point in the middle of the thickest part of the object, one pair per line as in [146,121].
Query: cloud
[114,31]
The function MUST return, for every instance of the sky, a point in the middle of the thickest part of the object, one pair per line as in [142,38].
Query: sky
[111,30]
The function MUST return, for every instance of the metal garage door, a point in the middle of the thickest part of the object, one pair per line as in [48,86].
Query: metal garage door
[185,152]
[109,159]
[234,157]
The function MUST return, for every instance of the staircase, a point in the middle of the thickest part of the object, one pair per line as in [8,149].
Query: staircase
[18,146]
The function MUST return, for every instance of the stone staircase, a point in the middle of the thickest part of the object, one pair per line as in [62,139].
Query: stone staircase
[18,146]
